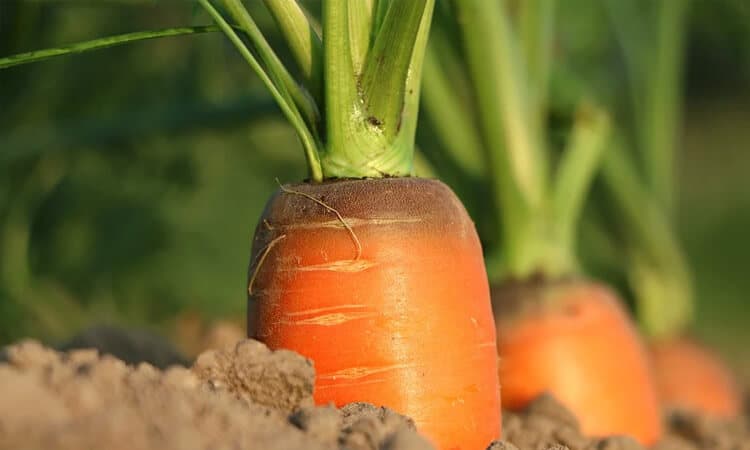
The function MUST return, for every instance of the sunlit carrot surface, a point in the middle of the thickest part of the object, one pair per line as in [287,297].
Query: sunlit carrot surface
[691,376]
[575,341]
[394,310]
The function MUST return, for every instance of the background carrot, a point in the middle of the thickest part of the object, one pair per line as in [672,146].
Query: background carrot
[557,330]
[690,376]
[638,205]
[565,332]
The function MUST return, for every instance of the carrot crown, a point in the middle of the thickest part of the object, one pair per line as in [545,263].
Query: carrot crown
[536,205]
[355,108]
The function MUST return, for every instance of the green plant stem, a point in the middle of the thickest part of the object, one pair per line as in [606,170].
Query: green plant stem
[372,118]
[451,117]
[387,67]
[340,80]
[101,43]
[515,152]
[360,31]
[412,93]
[576,171]
[273,65]
[287,105]
[303,40]
[662,102]
[537,26]
[657,270]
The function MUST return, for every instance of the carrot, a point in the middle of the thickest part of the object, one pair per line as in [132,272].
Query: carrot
[640,202]
[691,376]
[378,278]
[381,283]
[556,331]
[574,340]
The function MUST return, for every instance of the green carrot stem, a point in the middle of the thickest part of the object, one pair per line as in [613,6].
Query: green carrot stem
[387,67]
[101,43]
[658,271]
[360,31]
[536,30]
[516,154]
[371,116]
[278,91]
[273,65]
[579,164]
[450,115]
[303,40]
[662,102]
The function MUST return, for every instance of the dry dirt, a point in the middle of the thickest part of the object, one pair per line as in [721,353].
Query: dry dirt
[248,397]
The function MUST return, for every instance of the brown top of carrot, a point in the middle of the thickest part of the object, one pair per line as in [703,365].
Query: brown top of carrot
[428,202]
[515,299]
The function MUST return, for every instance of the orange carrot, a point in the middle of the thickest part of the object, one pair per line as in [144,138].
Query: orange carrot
[382,284]
[574,340]
[691,376]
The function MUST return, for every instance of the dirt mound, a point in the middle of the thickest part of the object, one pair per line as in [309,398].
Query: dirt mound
[247,396]
[244,397]
[547,425]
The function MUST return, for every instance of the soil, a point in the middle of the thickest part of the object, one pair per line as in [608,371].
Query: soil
[247,396]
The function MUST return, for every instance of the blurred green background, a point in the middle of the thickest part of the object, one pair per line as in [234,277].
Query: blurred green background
[131,178]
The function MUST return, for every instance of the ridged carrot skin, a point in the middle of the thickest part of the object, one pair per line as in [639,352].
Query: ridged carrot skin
[393,308]
[690,376]
[574,340]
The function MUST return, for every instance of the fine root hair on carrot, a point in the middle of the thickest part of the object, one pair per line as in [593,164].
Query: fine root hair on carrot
[267,224]
[357,244]
[259,260]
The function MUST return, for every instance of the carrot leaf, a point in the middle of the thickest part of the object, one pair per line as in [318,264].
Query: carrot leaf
[302,39]
[387,65]
[451,117]
[278,90]
[101,43]
[273,65]
[658,270]
[536,28]
[577,168]
[360,31]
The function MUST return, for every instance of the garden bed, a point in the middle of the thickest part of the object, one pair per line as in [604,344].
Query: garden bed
[247,396]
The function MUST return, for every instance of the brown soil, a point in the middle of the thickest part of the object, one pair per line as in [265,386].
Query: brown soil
[247,396]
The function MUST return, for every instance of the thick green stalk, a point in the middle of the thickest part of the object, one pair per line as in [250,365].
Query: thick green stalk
[370,117]
[515,152]
[412,92]
[340,80]
[657,269]
[387,67]
[97,44]
[450,115]
[360,31]
[537,27]
[303,40]
[662,102]
[579,163]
